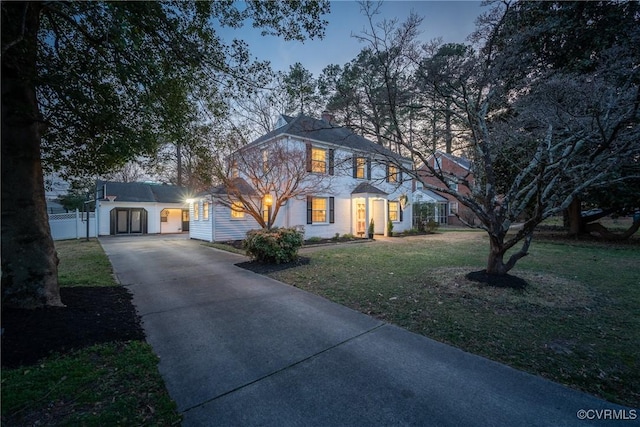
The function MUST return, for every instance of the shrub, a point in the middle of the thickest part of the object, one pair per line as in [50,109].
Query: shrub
[348,236]
[431,226]
[390,228]
[274,246]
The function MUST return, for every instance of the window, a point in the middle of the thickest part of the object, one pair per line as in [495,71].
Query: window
[419,185]
[237,211]
[393,173]
[359,167]
[205,211]
[319,207]
[234,169]
[453,208]
[196,211]
[320,210]
[452,184]
[318,160]
[394,211]
[265,161]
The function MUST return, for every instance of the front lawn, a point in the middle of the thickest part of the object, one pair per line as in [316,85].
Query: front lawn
[577,322]
[86,364]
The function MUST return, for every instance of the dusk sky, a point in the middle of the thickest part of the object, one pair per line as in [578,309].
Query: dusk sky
[451,20]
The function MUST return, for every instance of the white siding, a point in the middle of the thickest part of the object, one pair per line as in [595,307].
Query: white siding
[227,228]
[153,216]
[200,229]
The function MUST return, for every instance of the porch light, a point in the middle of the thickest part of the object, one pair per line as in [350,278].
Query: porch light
[111,198]
[268,200]
[189,201]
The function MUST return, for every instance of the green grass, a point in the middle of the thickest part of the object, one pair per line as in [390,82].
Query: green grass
[83,263]
[577,323]
[106,384]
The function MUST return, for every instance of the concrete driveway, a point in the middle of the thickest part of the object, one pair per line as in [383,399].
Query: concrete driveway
[240,349]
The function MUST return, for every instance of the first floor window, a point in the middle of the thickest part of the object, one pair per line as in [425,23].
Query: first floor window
[237,210]
[453,208]
[394,211]
[320,210]
[205,211]
[196,211]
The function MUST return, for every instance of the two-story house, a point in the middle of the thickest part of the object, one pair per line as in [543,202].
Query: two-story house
[359,182]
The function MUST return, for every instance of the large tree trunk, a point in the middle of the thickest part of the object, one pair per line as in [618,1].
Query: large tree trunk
[495,263]
[29,259]
[498,248]
[574,217]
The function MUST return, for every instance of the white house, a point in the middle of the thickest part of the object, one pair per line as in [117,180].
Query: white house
[140,208]
[366,183]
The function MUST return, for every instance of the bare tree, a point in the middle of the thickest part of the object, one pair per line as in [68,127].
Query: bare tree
[263,178]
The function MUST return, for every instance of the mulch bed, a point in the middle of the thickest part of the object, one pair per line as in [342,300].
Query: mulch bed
[499,281]
[92,315]
[265,268]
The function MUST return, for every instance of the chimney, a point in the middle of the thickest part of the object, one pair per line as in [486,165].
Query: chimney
[327,116]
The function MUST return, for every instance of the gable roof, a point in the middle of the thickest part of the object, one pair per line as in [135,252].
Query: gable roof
[461,161]
[365,187]
[143,192]
[239,183]
[306,127]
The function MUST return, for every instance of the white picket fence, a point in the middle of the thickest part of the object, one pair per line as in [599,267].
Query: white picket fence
[72,225]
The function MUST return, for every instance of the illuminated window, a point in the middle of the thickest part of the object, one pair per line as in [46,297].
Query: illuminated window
[393,173]
[318,160]
[196,211]
[205,211]
[319,209]
[360,166]
[394,211]
[237,210]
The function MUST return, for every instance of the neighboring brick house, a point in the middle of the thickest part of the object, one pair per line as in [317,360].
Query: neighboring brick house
[449,210]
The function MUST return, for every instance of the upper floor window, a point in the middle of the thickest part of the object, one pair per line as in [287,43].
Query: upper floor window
[393,173]
[320,160]
[234,169]
[452,184]
[361,168]
[265,161]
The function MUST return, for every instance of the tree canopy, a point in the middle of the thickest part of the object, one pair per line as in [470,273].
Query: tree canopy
[87,86]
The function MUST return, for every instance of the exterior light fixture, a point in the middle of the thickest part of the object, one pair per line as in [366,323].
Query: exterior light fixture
[189,201]
[111,198]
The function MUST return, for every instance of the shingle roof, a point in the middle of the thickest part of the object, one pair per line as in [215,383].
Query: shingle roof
[320,130]
[365,187]
[239,183]
[143,192]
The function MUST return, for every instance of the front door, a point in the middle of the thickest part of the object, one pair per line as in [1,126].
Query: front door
[185,220]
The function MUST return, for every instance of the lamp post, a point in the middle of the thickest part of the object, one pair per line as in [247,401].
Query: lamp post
[268,202]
